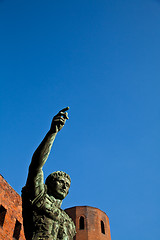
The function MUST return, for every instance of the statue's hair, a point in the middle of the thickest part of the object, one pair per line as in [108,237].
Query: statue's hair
[57,175]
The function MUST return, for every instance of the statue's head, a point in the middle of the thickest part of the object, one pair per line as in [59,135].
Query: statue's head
[58,184]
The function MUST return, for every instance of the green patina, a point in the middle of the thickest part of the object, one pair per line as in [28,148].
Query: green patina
[43,218]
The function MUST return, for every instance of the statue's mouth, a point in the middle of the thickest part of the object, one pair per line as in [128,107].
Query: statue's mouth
[63,190]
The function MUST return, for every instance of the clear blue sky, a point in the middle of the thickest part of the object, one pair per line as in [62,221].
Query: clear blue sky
[101,58]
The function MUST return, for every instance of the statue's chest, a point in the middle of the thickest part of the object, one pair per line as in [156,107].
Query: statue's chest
[49,208]
[53,219]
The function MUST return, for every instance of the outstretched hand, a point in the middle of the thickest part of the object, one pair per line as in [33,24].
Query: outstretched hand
[59,120]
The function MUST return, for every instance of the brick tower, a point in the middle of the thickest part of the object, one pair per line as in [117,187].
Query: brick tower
[91,223]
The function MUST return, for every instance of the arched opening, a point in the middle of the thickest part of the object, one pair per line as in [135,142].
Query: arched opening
[2,215]
[17,230]
[102,227]
[81,223]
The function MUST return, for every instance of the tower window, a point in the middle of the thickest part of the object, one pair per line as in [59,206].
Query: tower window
[17,230]
[81,223]
[2,215]
[102,227]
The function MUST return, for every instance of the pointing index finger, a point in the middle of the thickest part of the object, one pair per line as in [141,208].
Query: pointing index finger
[64,109]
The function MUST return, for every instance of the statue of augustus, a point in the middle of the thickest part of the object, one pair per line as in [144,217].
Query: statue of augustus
[43,218]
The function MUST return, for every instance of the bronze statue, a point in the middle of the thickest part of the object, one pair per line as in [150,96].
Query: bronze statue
[43,219]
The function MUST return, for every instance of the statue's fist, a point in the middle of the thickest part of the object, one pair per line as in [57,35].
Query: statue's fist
[59,120]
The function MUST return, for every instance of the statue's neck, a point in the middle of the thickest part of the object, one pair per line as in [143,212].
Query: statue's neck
[57,202]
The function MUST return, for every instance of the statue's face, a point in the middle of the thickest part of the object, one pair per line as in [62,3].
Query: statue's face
[59,187]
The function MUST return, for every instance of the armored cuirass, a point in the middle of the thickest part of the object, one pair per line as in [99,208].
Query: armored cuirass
[44,220]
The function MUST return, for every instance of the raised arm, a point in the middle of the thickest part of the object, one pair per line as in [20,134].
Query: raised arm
[35,175]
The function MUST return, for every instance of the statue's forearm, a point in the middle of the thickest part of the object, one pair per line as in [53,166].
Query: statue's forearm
[42,152]
[35,179]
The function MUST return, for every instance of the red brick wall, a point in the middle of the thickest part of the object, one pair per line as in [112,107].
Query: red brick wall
[11,201]
[92,223]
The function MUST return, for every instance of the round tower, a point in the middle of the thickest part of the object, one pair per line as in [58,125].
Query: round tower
[91,223]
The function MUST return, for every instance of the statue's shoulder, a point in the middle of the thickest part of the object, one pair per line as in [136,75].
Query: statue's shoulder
[69,222]
[65,215]
[28,200]
[69,225]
